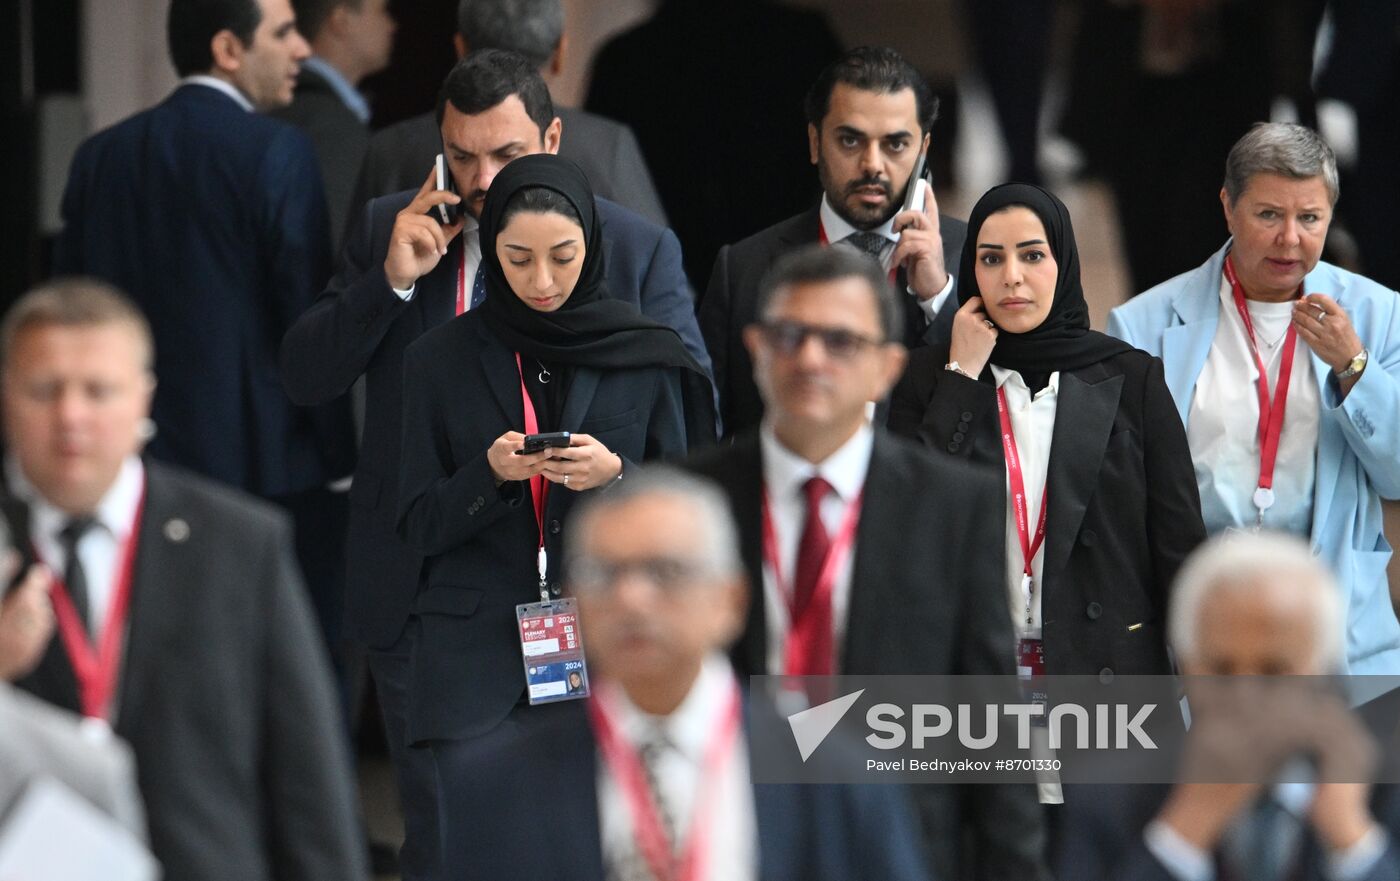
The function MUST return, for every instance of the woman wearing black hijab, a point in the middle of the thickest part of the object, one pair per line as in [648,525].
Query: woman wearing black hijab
[1085,430]
[546,351]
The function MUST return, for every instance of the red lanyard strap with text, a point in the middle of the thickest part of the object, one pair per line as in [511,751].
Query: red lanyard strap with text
[668,860]
[539,487]
[1270,412]
[800,632]
[824,241]
[96,667]
[1029,546]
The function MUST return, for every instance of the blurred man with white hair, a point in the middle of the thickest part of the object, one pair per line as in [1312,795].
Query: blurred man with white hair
[1250,605]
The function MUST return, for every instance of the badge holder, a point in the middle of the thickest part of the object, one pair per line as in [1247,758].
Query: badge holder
[1030,671]
[551,645]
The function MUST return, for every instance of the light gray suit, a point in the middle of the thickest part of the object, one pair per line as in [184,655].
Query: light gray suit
[42,741]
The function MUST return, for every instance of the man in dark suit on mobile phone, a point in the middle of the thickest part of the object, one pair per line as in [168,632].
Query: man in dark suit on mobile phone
[869,116]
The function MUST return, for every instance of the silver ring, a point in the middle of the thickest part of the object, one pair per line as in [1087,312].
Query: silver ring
[1321,315]
[566,480]
[988,322]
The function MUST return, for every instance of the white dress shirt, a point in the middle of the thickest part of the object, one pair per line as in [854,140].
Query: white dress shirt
[214,82]
[1222,425]
[784,474]
[1033,422]
[471,252]
[732,854]
[101,547]
[837,230]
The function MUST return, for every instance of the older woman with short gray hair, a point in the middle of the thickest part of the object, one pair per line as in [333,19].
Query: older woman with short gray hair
[1286,371]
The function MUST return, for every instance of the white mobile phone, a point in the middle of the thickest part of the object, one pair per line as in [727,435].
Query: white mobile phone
[446,213]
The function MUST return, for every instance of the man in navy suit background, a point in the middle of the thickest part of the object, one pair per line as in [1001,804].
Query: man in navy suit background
[404,273]
[212,216]
[662,593]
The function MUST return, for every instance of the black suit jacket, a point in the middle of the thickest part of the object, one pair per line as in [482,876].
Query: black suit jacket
[927,597]
[225,695]
[340,139]
[1124,510]
[400,156]
[493,827]
[461,392]
[213,220]
[731,303]
[360,327]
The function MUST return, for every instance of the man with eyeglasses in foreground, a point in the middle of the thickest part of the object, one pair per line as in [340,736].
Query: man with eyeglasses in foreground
[913,586]
[649,778]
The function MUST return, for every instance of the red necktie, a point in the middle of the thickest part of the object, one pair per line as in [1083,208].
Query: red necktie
[812,614]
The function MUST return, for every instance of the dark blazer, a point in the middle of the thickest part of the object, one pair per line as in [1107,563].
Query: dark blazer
[1124,510]
[225,695]
[340,139]
[1103,825]
[493,825]
[461,392]
[400,156]
[214,221]
[359,327]
[928,603]
[731,303]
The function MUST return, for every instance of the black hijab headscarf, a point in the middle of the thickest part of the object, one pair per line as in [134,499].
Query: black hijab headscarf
[590,329]
[1063,341]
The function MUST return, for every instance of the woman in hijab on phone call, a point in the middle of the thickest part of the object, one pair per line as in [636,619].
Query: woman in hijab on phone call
[1101,496]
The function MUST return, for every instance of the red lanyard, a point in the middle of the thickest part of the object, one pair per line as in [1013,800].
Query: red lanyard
[96,667]
[823,241]
[626,768]
[1270,412]
[1029,546]
[539,487]
[800,632]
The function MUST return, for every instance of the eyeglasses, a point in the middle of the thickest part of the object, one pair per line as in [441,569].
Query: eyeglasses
[788,337]
[669,575]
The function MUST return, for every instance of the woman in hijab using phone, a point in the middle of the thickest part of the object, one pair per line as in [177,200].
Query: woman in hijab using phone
[1101,496]
[547,351]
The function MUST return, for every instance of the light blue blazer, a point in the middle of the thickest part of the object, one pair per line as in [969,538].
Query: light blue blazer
[1358,447]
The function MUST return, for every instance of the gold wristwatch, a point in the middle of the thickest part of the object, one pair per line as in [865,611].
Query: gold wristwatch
[1357,365]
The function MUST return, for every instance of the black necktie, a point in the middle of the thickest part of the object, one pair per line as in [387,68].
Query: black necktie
[871,243]
[74,577]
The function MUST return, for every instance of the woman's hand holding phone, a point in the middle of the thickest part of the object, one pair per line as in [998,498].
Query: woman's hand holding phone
[586,463]
[507,464]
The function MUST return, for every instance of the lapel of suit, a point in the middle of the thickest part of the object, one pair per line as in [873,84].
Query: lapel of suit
[1186,345]
[744,481]
[805,231]
[869,604]
[165,556]
[579,398]
[1087,402]
[502,375]
[1331,443]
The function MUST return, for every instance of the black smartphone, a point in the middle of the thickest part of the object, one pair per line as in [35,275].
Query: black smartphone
[446,213]
[16,546]
[534,443]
